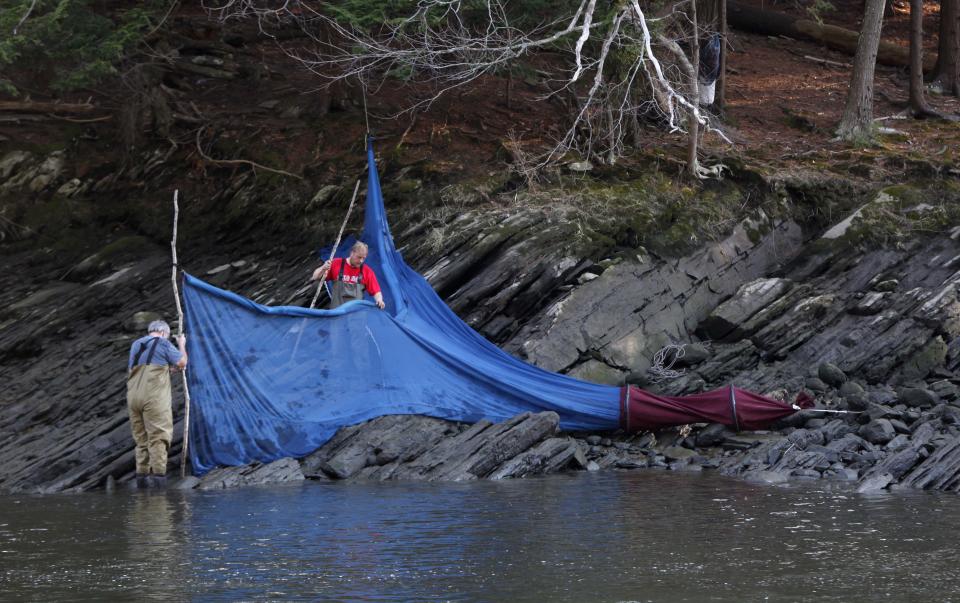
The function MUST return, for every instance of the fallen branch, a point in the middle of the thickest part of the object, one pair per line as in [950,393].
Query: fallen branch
[234,162]
[826,62]
[80,121]
[42,107]
[751,19]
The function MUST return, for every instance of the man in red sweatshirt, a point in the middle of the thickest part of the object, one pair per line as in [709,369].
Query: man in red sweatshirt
[350,277]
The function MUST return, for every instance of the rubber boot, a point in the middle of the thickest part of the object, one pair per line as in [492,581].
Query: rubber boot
[142,483]
[157,482]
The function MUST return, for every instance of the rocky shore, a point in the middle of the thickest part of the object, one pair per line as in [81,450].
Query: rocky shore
[902,440]
[774,306]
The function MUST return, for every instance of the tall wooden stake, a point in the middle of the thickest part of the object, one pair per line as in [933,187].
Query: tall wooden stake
[176,297]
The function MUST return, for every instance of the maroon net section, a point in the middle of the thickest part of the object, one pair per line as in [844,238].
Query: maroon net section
[737,408]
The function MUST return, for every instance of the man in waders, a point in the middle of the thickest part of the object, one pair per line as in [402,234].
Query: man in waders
[149,400]
[350,277]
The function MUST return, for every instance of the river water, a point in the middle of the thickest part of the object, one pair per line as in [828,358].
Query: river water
[610,536]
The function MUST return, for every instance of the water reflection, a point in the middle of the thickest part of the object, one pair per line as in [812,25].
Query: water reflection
[612,537]
[154,554]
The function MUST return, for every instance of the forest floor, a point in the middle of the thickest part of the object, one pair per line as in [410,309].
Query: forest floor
[782,110]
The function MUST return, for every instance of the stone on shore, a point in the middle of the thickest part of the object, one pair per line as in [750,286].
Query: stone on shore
[284,470]
[424,449]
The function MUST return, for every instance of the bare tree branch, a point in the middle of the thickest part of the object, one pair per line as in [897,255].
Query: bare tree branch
[229,162]
[436,44]
[25,16]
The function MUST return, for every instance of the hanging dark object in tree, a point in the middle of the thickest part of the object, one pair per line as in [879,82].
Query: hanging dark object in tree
[709,69]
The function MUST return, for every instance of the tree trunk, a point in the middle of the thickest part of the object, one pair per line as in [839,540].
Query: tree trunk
[857,120]
[693,166]
[918,104]
[946,75]
[721,98]
[770,23]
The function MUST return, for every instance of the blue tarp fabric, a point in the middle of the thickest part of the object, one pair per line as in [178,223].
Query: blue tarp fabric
[271,382]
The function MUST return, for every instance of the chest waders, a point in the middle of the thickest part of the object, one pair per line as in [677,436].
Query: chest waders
[345,291]
[151,414]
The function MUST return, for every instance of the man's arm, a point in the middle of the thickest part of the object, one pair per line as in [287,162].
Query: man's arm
[373,287]
[321,273]
[182,343]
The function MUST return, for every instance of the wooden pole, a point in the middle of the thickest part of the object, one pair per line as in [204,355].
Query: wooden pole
[176,297]
[333,251]
[721,99]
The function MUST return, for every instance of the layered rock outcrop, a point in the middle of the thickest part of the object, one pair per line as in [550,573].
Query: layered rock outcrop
[868,331]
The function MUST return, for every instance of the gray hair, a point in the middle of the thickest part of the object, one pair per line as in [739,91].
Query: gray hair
[159,326]
[359,246]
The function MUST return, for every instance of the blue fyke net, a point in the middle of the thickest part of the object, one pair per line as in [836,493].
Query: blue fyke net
[272,382]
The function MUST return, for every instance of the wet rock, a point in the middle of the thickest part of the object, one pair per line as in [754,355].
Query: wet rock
[579,457]
[851,388]
[550,456]
[188,483]
[831,374]
[49,170]
[713,435]
[868,305]
[801,438]
[837,428]
[856,401]
[816,385]
[676,453]
[70,187]
[842,473]
[900,426]
[878,431]
[766,477]
[899,442]
[875,483]
[139,322]
[949,415]
[903,460]
[11,162]
[921,363]
[645,441]
[723,323]
[596,371]
[918,397]
[281,471]
[632,464]
[594,440]
[736,445]
[945,390]
[400,438]
[879,411]
[940,470]
[475,453]
[692,354]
